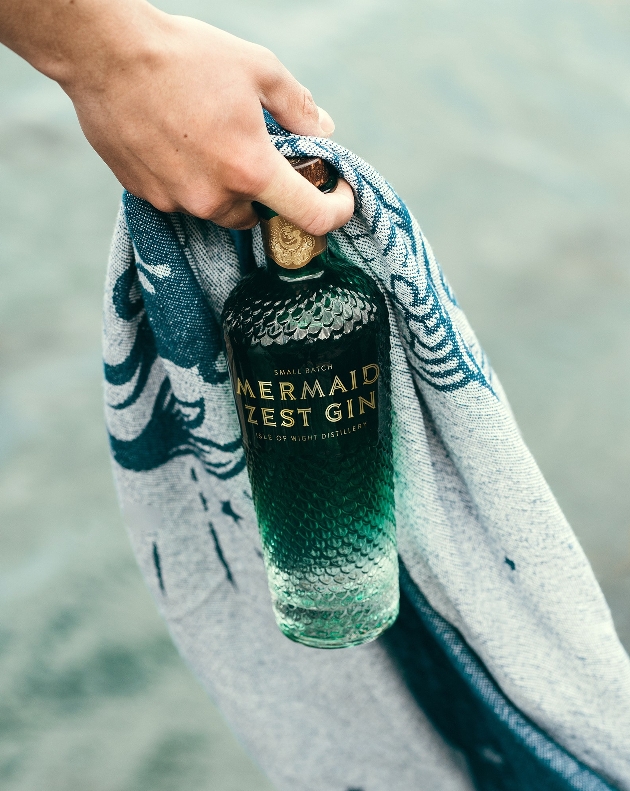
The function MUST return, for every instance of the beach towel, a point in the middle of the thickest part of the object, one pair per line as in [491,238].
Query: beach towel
[503,671]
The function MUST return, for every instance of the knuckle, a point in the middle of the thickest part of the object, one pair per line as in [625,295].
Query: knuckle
[267,60]
[200,200]
[307,103]
[264,53]
[202,206]
[245,178]
[162,203]
[319,223]
[239,218]
[237,182]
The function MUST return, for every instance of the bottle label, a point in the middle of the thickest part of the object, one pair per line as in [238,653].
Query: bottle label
[289,246]
[317,401]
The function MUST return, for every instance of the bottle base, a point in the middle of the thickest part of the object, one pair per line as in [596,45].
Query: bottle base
[342,641]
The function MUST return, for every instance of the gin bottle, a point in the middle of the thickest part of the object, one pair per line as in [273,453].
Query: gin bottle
[307,340]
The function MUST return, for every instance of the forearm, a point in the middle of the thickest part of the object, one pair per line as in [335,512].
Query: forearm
[71,40]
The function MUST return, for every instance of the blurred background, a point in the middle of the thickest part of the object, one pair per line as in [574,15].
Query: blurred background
[506,127]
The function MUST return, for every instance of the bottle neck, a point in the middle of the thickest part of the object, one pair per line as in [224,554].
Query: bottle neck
[310,271]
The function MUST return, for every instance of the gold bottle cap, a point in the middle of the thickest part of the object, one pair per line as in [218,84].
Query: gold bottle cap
[289,246]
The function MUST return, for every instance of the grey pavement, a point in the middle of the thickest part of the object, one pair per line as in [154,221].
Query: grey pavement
[506,127]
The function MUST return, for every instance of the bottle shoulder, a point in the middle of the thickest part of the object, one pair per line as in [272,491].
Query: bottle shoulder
[263,309]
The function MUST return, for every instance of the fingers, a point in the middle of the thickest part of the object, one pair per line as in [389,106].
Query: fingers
[291,104]
[293,197]
[205,151]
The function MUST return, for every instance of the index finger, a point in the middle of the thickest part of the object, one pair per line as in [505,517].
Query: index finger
[298,201]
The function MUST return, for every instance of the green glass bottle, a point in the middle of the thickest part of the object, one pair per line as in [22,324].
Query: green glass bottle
[308,349]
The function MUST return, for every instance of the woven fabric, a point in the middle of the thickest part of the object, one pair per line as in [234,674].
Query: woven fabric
[504,670]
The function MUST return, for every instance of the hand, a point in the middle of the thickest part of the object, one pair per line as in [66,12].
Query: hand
[174,107]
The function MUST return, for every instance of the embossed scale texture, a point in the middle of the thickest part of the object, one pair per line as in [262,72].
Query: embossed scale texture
[329,543]
[326,512]
[258,313]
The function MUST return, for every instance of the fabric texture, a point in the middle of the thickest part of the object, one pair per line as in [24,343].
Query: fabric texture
[503,671]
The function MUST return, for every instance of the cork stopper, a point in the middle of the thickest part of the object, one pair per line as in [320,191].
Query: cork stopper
[316,170]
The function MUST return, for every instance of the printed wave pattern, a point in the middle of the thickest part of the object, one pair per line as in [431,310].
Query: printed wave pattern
[159,300]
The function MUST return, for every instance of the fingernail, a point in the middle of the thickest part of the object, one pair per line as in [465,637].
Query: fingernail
[326,123]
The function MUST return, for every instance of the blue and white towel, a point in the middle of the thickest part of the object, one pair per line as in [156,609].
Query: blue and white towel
[503,671]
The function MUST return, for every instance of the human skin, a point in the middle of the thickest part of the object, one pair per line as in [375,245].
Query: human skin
[174,107]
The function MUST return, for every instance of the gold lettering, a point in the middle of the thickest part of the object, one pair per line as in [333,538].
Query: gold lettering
[244,389]
[366,368]
[251,410]
[337,385]
[353,380]
[268,415]
[305,413]
[287,418]
[317,388]
[265,389]
[364,402]
[286,391]
[350,413]
[333,413]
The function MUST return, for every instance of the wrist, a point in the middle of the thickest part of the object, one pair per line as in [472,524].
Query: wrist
[88,41]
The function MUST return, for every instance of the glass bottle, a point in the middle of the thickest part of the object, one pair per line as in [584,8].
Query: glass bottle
[307,341]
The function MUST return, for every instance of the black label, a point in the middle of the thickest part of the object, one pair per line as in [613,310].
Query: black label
[294,399]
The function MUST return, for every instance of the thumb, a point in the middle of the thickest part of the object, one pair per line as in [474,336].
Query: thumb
[292,105]
[296,199]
